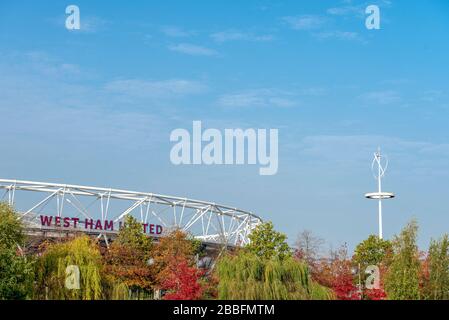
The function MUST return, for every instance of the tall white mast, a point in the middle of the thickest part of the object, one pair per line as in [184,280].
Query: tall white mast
[379,195]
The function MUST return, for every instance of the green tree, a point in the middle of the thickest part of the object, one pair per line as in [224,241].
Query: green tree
[267,243]
[436,286]
[132,236]
[11,228]
[51,271]
[402,279]
[246,276]
[372,251]
[16,270]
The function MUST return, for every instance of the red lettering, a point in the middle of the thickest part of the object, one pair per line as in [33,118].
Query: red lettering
[145,226]
[98,225]
[88,222]
[58,221]
[158,229]
[109,225]
[66,222]
[151,228]
[46,220]
[75,222]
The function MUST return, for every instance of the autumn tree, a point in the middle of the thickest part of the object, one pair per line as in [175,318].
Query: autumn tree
[128,260]
[16,269]
[183,281]
[402,279]
[267,243]
[175,252]
[336,272]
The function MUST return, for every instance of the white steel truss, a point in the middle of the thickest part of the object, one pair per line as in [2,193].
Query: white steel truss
[208,222]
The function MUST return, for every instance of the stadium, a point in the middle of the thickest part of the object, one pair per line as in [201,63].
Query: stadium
[51,210]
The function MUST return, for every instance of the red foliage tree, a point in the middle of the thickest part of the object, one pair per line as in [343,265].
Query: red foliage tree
[336,273]
[375,294]
[182,283]
[343,283]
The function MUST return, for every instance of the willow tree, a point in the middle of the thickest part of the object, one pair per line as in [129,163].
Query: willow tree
[246,276]
[53,271]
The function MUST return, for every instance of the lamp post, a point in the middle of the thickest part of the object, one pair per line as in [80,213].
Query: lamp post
[379,195]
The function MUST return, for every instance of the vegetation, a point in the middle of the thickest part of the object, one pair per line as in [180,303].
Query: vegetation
[402,279]
[435,270]
[127,263]
[16,270]
[133,267]
[51,269]
[247,276]
[268,243]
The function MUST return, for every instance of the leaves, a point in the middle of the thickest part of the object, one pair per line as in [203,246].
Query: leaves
[402,279]
[182,282]
[267,243]
[246,276]
[16,270]
[51,270]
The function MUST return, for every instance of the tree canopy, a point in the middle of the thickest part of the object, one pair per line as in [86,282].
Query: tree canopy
[402,279]
[266,242]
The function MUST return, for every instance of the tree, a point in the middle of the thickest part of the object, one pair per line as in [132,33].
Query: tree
[436,270]
[11,228]
[308,247]
[16,275]
[176,251]
[132,236]
[267,243]
[16,270]
[336,272]
[51,271]
[372,252]
[127,261]
[183,281]
[402,279]
[247,276]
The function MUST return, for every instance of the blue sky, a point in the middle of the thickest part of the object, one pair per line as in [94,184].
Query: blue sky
[96,106]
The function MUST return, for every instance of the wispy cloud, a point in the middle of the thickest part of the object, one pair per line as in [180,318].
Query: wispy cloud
[92,24]
[305,22]
[232,35]
[318,27]
[259,98]
[176,32]
[165,88]
[381,97]
[346,10]
[433,95]
[341,35]
[353,151]
[193,50]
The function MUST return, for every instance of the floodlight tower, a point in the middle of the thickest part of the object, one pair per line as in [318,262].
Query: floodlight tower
[379,195]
